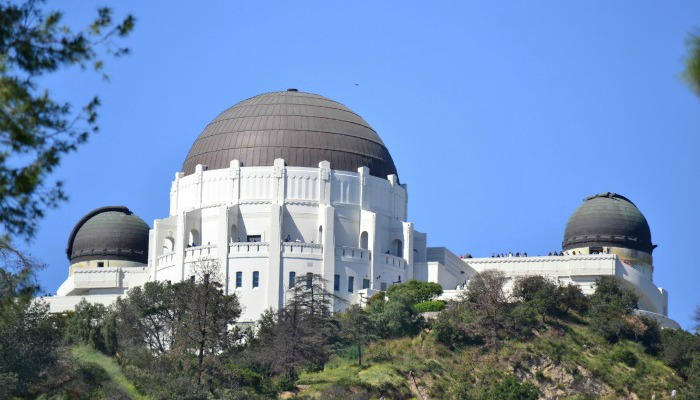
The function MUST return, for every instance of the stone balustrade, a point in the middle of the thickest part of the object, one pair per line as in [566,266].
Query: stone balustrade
[198,252]
[393,261]
[295,248]
[167,259]
[248,249]
[353,254]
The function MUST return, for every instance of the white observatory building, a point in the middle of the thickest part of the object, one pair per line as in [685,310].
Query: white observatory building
[288,184]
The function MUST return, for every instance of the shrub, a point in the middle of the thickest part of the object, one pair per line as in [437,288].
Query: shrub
[455,327]
[609,306]
[430,306]
[415,291]
[625,356]
[511,388]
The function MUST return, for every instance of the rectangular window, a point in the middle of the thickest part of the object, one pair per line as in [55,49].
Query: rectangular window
[351,284]
[192,278]
[239,279]
[336,282]
[292,278]
[383,286]
[100,264]
[256,278]
[365,284]
[309,280]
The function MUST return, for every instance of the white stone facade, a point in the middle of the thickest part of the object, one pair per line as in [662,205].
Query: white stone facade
[267,225]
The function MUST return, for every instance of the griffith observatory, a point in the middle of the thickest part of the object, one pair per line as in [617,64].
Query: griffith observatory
[286,185]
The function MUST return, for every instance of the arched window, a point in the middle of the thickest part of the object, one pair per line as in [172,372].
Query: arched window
[320,235]
[194,238]
[364,240]
[168,244]
[397,248]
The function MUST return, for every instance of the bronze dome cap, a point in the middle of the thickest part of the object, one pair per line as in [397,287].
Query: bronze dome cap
[301,128]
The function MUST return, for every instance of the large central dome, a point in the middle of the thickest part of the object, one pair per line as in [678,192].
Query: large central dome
[301,128]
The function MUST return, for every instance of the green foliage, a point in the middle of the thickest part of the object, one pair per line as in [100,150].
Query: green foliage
[396,317]
[430,306]
[356,328]
[415,291]
[28,341]
[510,388]
[85,325]
[176,340]
[540,294]
[609,294]
[678,349]
[36,130]
[572,298]
[692,66]
[455,327]
[302,334]
[625,356]
[610,305]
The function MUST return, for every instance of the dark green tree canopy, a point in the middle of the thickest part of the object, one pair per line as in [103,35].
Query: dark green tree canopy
[36,130]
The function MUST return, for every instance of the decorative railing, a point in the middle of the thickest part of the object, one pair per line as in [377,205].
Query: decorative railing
[197,252]
[248,249]
[394,261]
[301,248]
[166,259]
[353,254]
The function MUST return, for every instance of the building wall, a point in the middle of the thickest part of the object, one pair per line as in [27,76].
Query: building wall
[307,220]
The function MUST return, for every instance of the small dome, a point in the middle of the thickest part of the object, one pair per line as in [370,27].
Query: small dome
[301,128]
[109,233]
[610,220]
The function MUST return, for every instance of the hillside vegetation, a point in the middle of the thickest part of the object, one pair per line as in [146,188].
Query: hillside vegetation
[181,341]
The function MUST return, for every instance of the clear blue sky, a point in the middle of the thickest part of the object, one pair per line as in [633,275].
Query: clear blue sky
[501,116]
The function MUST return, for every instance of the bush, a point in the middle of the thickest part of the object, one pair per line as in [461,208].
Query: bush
[415,291]
[572,298]
[430,306]
[455,327]
[511,388]
[625,356]
[609,306]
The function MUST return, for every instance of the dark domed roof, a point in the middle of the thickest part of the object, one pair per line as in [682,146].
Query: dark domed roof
[109,233]
[608,219]
[301,128]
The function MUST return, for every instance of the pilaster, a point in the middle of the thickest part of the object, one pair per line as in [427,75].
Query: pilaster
[373,246]
[235,179]
[408,253]
[363,172]
[199,174]
[274,287]
[181,244]
[222,246]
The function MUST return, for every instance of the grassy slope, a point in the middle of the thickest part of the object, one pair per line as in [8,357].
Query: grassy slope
[567,361]
[88,355]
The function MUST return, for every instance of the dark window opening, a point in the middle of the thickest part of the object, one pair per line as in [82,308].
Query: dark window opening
[100,264]
[595,250]
[351,283]
[255,238]
[292,278]
[336,282]
[256,279]
[239,279]
[365,284]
